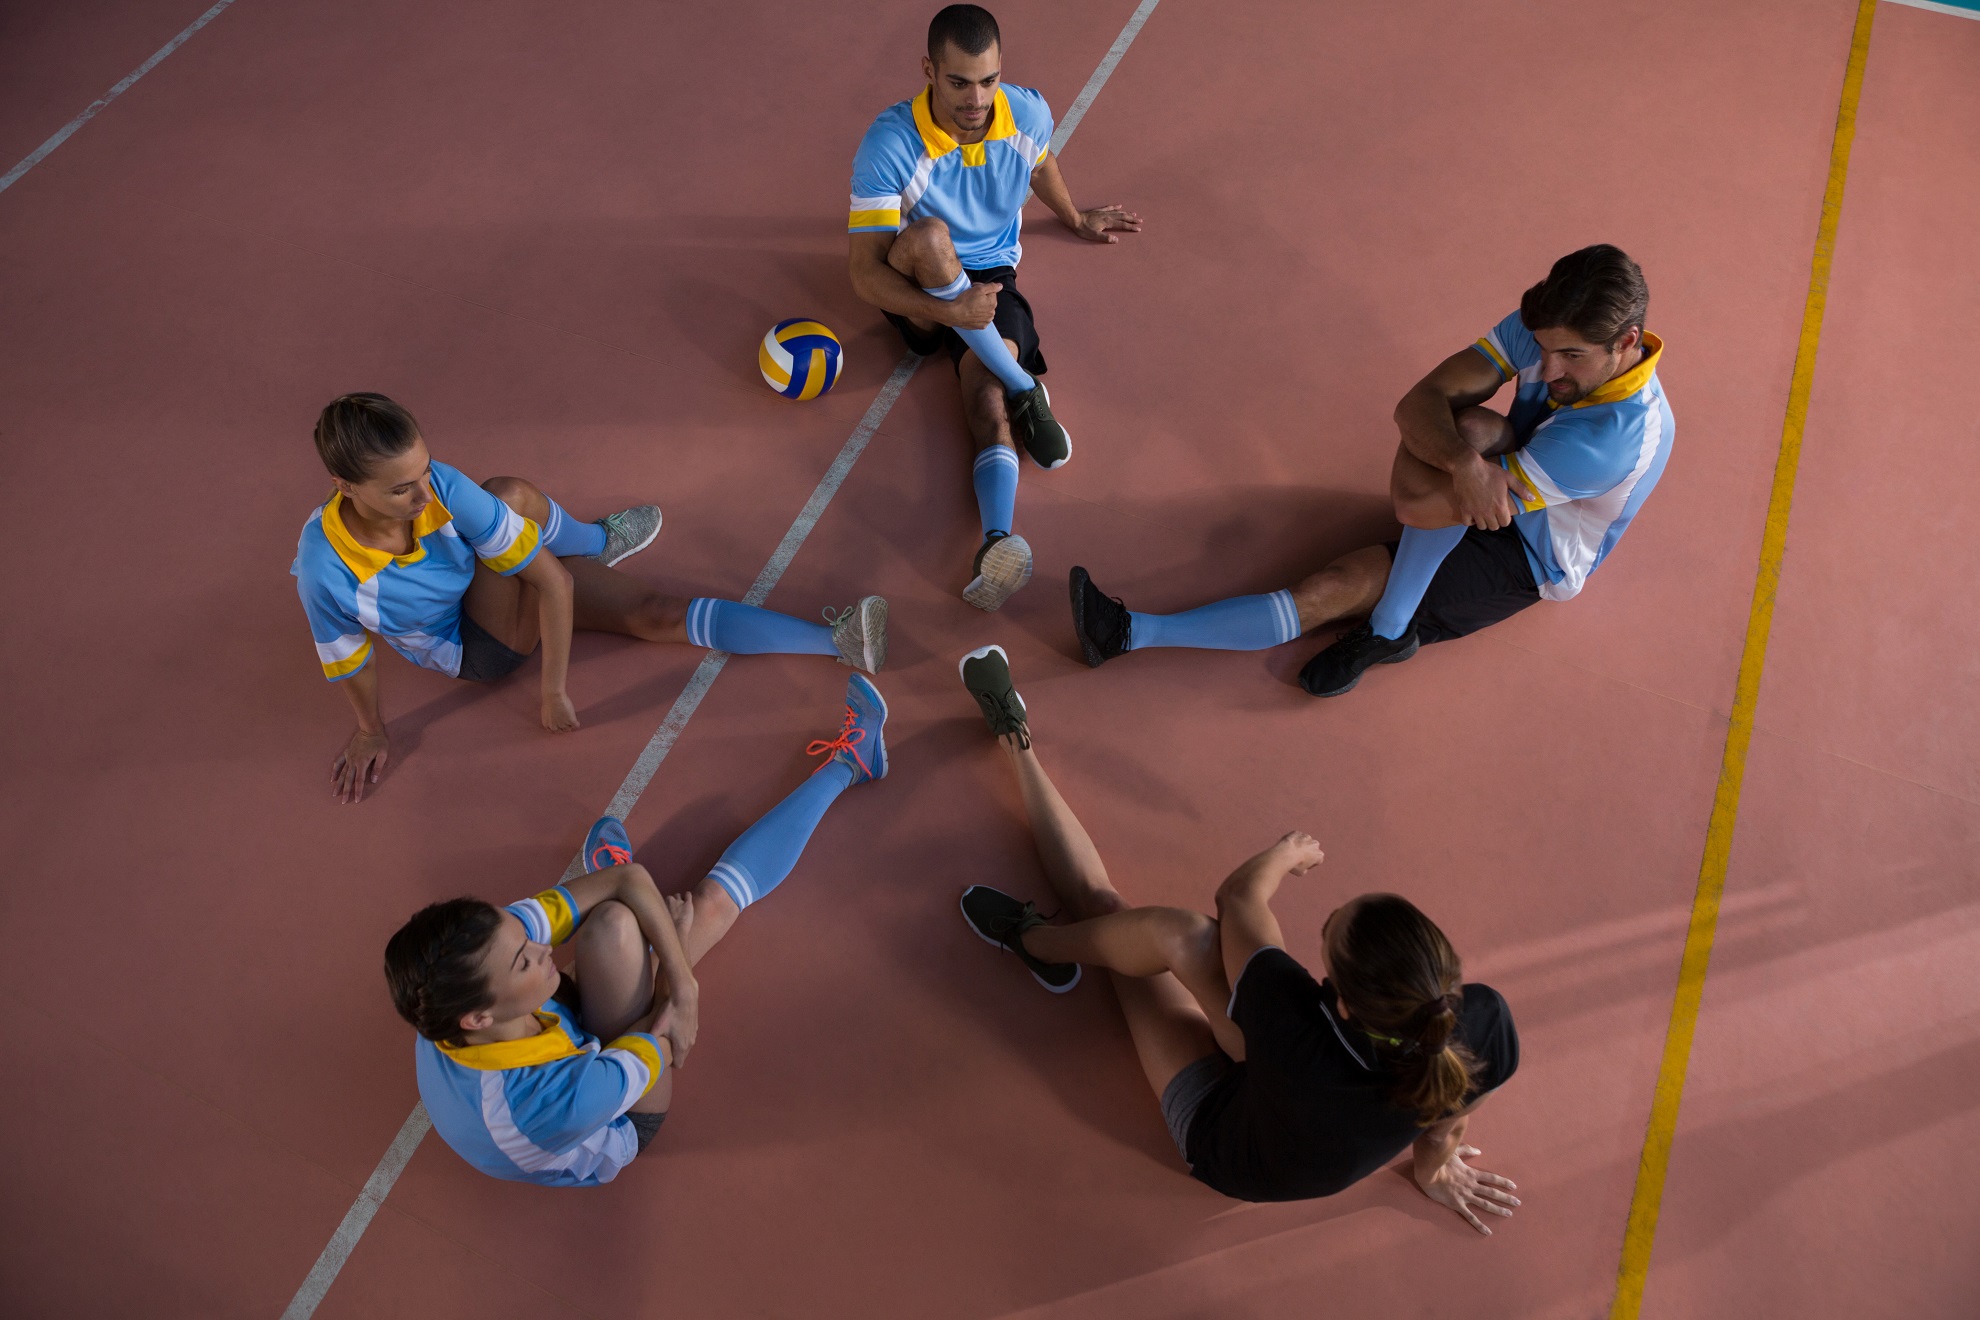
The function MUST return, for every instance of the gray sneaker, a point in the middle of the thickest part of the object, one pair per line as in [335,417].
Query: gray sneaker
[860,633]
[999,919]
[628,532]
[1003,564]
[986,672]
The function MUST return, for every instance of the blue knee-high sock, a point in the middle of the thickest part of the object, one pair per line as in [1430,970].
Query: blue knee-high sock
[565,536]
[724,625]
[757,862]
[1417,560]
[996,481]
[987,343]
[1242,623]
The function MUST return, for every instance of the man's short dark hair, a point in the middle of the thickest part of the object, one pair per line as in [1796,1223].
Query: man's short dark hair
[433,966]
[969,28]
[1597,292]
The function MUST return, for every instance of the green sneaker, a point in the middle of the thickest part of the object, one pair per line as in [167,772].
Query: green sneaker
[986,672]
[999,919]
[860,633]
[1003,564]
[1037,430]
[628,532]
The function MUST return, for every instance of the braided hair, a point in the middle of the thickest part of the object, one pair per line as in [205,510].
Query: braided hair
[433,966]
[1403,983]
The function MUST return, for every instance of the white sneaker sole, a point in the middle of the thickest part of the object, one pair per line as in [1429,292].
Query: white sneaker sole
[978,654]
[1005,569]
[872,636]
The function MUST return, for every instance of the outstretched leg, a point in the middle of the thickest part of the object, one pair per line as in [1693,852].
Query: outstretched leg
[607,600]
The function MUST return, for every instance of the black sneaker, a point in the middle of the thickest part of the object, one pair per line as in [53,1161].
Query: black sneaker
[1036,429]
[1340,666]
[1002,565]
[986,672]
[999,919]
[1099,621]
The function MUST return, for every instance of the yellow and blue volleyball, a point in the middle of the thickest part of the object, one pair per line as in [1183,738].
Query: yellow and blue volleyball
[800,359]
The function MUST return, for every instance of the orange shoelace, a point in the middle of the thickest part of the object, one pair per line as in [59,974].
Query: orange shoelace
[850,736]
[614,855]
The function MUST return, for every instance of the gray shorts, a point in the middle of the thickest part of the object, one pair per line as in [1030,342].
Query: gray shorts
[1185,1092]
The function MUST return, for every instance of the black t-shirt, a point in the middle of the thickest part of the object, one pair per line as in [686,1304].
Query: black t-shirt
[1308,1112]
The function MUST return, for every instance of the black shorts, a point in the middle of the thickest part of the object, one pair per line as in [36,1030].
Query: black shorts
[645,1126]
[1484,579]
[1013,323]
[483,658]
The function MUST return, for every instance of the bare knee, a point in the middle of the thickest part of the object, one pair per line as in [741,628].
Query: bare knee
[520,495]
[658,616]
[1188,939]
[611,930]
[1487,432]
[919,245]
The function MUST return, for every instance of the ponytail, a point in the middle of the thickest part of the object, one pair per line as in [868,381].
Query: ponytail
[1403,983]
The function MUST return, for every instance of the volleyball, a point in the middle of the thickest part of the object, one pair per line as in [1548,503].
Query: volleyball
[800,359]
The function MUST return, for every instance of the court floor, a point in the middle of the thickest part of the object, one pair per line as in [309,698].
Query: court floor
[556,231]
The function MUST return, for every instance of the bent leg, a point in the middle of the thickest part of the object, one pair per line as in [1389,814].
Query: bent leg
[1169,1026]
[1345,589]
[563,535]
[1143,942]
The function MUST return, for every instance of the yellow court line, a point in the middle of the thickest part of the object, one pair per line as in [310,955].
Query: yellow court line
[1641,1232]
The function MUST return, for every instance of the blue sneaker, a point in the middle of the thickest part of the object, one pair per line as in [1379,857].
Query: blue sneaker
[606,845]
[861,744]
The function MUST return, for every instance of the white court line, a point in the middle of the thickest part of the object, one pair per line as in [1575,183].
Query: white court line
[1957,11]
[379,1184]
[63,133]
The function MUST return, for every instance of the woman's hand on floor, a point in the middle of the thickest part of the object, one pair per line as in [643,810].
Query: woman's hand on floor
[559,716]
[1467,1190]
[360,763]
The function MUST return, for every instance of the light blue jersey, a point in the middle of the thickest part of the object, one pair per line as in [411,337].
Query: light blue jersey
[549,1108]
[1590,465]
[908,167]
[350,591]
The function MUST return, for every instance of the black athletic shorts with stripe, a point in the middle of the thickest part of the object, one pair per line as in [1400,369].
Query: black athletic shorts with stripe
[1013,322]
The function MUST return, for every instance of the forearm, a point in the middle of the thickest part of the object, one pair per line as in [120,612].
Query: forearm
[635,889]
[361,690]
[880,285]
[554,615]
[1245,922]
[1050,185]
[1434,1148]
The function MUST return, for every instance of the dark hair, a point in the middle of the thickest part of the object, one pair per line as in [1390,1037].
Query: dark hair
[433,965]
[356,430]
[969,28]
[1597,292]
[1402,982]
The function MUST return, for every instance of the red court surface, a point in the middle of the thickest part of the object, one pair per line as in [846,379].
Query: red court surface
[557,231]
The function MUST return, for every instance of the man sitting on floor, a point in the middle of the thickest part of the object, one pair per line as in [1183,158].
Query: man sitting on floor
[938,193]
[1498,511]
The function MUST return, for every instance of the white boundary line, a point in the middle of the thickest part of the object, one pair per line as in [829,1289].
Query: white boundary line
[344,1241]
[63,133]
[1957,11]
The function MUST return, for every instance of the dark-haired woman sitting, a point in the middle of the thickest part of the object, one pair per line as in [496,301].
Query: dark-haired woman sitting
[455,576]
[1287,1087]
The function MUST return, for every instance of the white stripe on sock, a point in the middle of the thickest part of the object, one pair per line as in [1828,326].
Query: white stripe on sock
[951,291]
[994,455]
[1288,612]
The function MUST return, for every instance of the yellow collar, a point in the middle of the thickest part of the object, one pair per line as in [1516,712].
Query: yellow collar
[936,140]
[546,1046]
[366,561]
[1621,387]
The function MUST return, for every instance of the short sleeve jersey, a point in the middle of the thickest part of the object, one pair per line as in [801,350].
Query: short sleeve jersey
[1308,1113]
[1590,465]
[350,591]
[549,1108]
[907,167]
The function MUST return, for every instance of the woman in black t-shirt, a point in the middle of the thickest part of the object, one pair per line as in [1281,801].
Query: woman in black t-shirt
[1288,1087]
